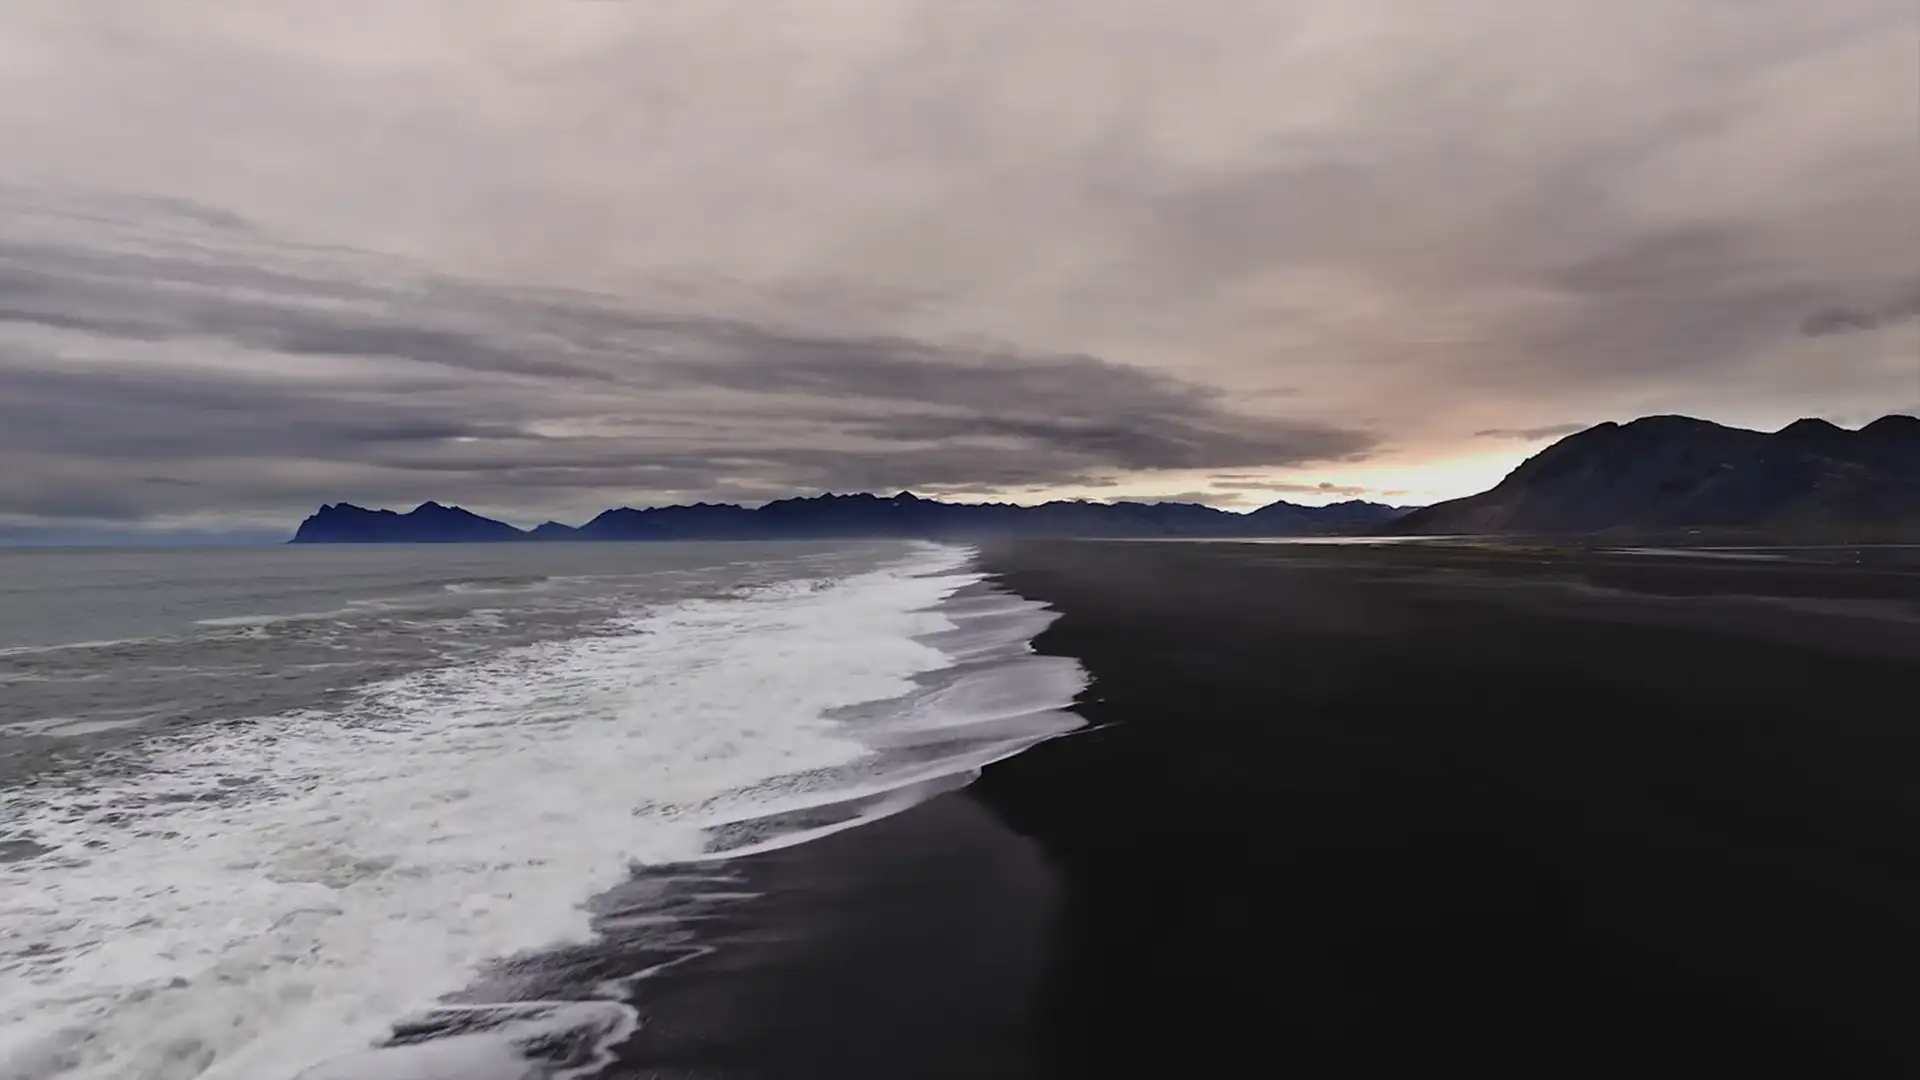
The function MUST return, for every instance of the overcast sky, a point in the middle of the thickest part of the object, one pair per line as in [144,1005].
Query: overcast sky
[540,257]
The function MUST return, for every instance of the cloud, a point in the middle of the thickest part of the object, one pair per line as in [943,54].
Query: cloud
[39,534]
[1324,487]
[306,385]
[1533,434]
[1204,498]
[540,257]
[1845,320]
[1838,321]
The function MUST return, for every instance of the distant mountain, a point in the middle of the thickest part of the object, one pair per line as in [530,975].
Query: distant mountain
[1289,519]
[1668,472]
[428,523]
[850,516]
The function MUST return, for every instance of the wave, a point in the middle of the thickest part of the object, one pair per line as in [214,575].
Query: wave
[67,646]
[263,896]
[351,609]
[505,583]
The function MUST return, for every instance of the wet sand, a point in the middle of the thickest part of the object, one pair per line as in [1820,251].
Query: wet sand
[1352,811]
[911,947]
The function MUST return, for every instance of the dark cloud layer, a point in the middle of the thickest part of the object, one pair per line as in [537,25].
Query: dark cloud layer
[1285,488]
[1548,431]
[287,391]
[1845,320]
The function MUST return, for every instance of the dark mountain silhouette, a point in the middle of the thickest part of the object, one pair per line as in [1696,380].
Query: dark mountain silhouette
[1669,472]
[850,516]
[428,523]
[1287,519]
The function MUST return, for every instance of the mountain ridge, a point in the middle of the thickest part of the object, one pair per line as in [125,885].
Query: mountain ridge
[1680,472]
[337,523]
[854,516]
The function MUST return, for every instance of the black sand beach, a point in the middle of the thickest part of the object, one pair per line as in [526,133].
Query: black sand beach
[1360,811]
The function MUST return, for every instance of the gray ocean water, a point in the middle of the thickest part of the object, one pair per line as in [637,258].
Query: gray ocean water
[269,813]
[99,646]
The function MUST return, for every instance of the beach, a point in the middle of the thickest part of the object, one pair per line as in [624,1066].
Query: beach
[1349,810]
[341,814]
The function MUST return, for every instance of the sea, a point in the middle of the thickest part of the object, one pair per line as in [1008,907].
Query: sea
[438,812]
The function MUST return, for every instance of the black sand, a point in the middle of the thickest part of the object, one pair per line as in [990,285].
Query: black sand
[911,947]
[1372,811]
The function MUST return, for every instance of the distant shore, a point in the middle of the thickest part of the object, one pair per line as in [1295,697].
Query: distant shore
[1362,811]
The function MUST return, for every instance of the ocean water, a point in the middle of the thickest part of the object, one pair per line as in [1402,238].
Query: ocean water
[437,812]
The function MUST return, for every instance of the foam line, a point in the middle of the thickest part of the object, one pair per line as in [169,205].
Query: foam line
[266,895]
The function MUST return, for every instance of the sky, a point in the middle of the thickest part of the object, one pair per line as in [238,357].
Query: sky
[543,257]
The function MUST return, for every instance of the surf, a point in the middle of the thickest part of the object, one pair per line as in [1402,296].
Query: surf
[265,896]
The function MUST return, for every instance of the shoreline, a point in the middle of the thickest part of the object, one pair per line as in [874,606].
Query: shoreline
[911,946]
[1353,810]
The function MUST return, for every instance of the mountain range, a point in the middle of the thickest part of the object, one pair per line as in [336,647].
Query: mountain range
[848,516]
[1676,472]
[1652,474]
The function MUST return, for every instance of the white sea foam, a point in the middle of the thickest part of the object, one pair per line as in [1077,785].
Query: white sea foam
[67,727]
[350,608]
[501,585]
[66,646]
[273,894]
